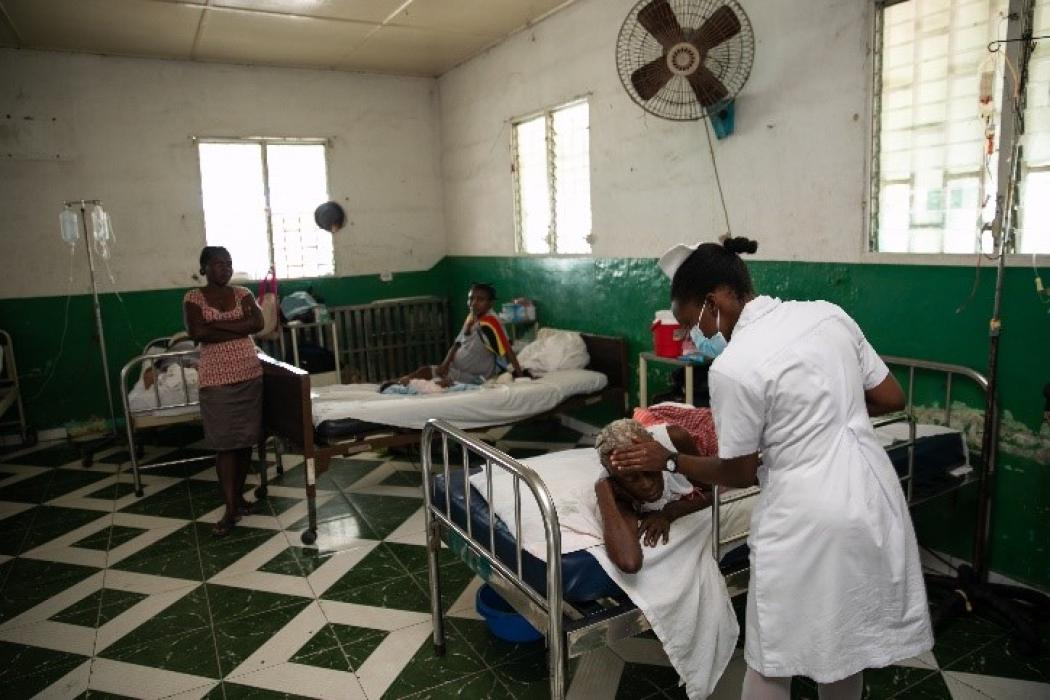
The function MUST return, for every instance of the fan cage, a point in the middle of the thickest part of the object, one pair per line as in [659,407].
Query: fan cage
[730,61]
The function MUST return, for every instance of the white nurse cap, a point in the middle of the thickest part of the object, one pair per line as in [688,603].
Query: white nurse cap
[673,259]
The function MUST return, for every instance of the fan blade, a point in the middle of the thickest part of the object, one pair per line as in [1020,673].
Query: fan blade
[659,20]
[650,78]
[721,26]
[708,89]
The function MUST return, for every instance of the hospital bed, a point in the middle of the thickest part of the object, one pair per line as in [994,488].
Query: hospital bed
[171,400]
[572,601]
[288,413]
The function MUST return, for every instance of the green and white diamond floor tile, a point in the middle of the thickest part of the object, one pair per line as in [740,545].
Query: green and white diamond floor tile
[104,594]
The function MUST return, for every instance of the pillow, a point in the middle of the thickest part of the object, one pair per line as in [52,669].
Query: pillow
[554,350]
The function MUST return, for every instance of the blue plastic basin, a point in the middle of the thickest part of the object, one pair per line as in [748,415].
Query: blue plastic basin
[501,619]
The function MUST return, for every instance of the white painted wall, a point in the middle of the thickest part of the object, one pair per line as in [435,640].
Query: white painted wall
[121,130]
[794,171]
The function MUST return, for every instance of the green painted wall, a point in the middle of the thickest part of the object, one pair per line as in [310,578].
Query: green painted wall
[904,310]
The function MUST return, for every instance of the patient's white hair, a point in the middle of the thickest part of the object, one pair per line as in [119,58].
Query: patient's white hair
[619,433]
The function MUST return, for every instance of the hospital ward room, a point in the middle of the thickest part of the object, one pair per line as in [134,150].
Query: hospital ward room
[525,349]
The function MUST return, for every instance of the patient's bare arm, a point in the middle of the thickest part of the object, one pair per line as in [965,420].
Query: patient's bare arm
[620,528]
[656,526]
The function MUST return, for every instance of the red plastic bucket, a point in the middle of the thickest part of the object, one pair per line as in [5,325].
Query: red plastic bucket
[664,343]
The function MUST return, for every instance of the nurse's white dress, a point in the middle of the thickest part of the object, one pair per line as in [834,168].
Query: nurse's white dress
[836,584]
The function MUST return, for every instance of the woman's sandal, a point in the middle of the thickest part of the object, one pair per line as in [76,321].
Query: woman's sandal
[223,527]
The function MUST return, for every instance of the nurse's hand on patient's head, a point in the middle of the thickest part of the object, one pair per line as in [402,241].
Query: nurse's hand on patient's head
[643,456]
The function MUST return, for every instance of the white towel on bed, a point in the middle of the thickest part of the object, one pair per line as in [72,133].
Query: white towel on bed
[679,587]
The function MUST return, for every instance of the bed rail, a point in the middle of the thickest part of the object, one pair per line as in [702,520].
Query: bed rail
[987,455]
[544,607]
[391,337]
[138,418]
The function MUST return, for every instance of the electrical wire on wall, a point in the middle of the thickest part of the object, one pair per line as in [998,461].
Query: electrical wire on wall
[718,179]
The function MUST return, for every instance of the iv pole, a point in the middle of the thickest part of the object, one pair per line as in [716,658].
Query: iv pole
[1016,608]
[82,204]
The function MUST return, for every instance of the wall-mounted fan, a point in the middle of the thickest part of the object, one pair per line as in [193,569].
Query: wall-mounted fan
[684,59]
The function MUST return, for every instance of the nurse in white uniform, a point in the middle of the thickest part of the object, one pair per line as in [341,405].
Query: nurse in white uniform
[836,584]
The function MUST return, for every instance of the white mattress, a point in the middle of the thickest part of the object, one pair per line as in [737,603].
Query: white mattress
[490,405]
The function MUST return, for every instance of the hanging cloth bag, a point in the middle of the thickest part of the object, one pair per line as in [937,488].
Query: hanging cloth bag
[271,308]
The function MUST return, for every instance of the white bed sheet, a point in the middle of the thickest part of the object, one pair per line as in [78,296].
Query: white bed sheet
[169,386]
[489,405]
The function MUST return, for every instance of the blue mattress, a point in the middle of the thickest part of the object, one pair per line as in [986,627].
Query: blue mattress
[583,578]
[935,457]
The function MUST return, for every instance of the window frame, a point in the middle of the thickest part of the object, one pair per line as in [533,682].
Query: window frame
[869,239]
[262,142]
[552,236]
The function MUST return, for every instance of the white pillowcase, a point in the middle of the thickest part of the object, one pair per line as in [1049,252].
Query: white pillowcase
[554,350]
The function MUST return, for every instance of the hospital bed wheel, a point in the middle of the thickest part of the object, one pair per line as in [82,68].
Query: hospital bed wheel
[139,493]
[280,470]
[309,537]
[30,438]
[261,491]
[140,451]
[87,460]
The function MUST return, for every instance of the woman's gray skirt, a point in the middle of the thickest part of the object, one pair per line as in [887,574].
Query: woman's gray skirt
[232,415]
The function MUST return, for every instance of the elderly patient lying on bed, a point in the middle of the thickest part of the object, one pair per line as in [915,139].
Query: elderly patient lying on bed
[642,506]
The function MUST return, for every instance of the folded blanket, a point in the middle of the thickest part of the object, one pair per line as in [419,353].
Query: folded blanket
[416,387]
[679,587]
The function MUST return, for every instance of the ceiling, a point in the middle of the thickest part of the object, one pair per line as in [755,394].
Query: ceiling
[406,37]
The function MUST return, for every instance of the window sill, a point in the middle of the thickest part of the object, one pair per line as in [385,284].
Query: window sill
[951,259]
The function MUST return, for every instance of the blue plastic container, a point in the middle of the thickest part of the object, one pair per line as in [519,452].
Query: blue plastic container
[501,619]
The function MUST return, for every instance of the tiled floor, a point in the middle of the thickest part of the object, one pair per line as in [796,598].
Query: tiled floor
[103,594]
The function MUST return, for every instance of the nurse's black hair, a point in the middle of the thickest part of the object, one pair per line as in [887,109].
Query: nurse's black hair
[209,252]
[714,265]
[328,215]
[485,287]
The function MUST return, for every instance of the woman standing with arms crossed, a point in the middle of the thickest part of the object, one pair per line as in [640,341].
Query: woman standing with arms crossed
[222,319]
[836,585]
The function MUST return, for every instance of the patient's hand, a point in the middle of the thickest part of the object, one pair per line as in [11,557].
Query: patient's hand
[653,527]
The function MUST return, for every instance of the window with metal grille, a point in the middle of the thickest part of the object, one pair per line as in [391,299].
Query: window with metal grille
[552,181]
[259,197]
[935,151]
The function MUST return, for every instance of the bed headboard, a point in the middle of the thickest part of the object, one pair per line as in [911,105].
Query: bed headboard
[286,403]
[608,356]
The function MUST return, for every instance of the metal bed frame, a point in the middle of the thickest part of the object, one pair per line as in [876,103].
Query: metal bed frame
[136,420]
[572,630]
[288,414]
[11,394]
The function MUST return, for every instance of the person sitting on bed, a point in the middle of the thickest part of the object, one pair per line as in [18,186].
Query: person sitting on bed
[641,506]
[481,350]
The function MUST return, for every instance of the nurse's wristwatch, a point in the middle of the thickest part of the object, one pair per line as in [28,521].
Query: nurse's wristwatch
[672,462]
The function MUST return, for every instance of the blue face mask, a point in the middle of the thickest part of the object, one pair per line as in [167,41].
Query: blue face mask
[708,347]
